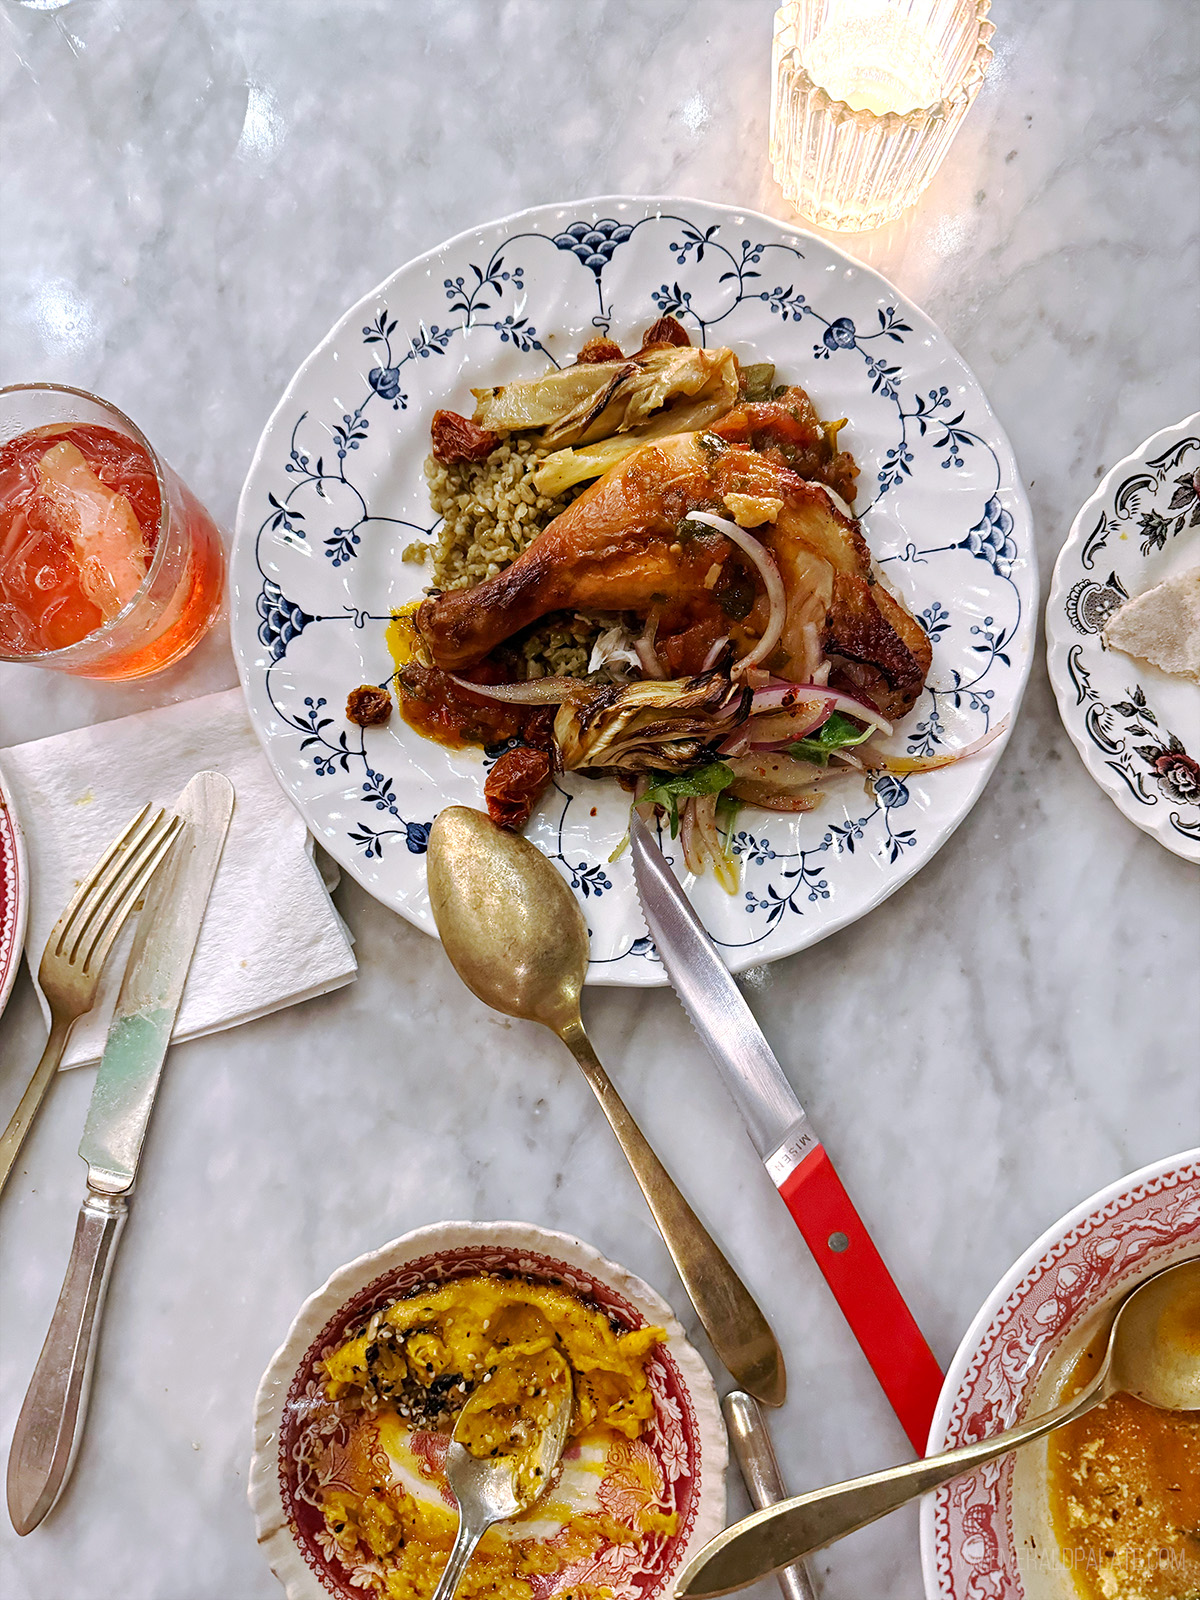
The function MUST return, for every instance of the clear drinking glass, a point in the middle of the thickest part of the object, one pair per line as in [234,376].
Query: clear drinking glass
[109,565]
[868,95]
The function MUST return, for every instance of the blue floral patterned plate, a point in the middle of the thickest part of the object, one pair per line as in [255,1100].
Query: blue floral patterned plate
[1137,729]
[336,491]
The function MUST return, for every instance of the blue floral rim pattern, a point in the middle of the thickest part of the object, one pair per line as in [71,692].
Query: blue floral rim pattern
[325,515]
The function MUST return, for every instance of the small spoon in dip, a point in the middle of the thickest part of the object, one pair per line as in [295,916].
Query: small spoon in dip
[506,1444]
[517,939]
[1153,1353]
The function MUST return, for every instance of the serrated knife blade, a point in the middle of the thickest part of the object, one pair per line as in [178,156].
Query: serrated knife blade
[787,1144]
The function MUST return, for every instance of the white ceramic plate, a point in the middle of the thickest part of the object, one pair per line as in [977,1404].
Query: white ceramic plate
[336,491]
[988,1536]
[1137,729]
[680,1458]
[14,892]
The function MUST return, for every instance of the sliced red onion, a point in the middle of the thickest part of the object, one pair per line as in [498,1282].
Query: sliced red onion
[776,781]
[706,825]
[850,707]
[687,836]
[777,696]
[813,654]
[776,802]
[648,656]
[764,561]
[904,765]
[837,502]
[644,647]
[781,727]
[714,654]
[536,692]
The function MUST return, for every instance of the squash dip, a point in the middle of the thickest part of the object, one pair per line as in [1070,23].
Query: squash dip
[400,1385]
[1124,1485]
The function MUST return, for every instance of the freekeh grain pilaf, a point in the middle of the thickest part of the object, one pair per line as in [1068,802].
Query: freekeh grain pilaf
[491,512]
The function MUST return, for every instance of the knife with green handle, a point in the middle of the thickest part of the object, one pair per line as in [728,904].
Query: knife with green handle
[51,1421]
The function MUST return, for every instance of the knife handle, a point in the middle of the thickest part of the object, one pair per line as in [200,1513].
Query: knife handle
[864,1289]
[51,1421]
[750,1440]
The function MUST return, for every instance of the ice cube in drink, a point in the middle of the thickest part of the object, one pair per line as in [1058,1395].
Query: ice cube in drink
[79,516]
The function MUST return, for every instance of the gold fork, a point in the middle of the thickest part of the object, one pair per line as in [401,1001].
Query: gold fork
[77,949]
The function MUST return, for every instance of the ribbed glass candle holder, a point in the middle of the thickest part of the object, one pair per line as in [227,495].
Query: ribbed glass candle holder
[868,96]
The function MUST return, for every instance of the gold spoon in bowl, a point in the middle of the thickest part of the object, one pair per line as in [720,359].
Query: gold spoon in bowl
[502,1457]
[1153,1353]
[516,937]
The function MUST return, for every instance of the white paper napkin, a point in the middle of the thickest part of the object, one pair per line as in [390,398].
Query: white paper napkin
[271,936]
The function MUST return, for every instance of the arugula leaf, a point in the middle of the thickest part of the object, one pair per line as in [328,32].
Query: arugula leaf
[668,792]
[835,733]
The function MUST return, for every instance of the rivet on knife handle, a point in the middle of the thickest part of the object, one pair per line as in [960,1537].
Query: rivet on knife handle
[885,1328]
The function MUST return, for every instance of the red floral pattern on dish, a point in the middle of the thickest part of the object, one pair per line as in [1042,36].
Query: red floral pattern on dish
[974,1546]
[10,891]
[671,1442]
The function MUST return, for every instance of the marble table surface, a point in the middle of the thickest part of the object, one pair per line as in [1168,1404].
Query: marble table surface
[191,192]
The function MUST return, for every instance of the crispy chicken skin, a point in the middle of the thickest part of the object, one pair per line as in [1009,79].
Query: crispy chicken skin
[624,546]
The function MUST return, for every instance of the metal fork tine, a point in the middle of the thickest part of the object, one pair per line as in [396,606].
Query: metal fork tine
[73,921]
[111,883]
[131,893]
[58,932]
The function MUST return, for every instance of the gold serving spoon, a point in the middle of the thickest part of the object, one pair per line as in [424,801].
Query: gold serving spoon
[1153,1353]
[517,939]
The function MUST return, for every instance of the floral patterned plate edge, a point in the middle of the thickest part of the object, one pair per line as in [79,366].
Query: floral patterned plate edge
[1137,729]
[680,1459]
[336,493]
[987,1536]
[14,892]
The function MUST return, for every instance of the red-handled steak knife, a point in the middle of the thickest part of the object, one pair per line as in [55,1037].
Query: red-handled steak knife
[791,1152]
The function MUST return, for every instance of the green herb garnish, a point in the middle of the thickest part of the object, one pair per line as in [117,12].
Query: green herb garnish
[836,733]
[668,792]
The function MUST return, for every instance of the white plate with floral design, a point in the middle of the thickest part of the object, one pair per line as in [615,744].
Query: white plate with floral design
[677,1465]
[336,491]
[1137,729]
[988,1536]
[14,892]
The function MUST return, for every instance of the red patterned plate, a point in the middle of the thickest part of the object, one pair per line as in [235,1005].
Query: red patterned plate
[680,1460]
[988,1536]
[14,892]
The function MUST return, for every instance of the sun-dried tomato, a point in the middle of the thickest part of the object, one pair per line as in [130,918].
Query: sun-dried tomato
[790,432]
[599,349]
[514,786]
[457,439]
[667,330]
[369,706]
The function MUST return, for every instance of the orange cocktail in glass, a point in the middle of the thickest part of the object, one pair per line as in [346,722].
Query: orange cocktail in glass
[109,566]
